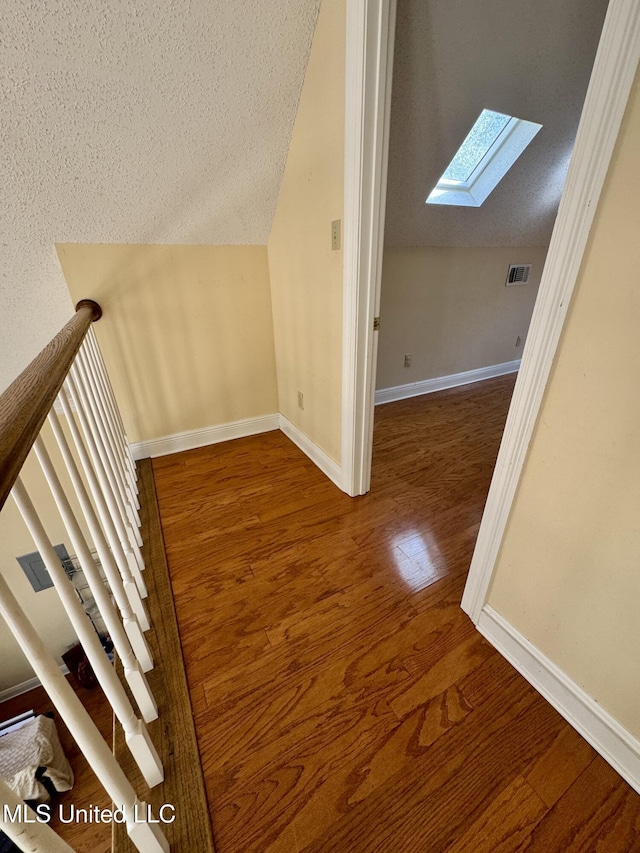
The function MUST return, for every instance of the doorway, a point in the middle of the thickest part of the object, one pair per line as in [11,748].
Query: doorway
[603,109]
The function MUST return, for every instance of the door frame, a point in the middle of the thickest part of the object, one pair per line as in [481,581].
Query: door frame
[369,67]
[612,76]
[369,70]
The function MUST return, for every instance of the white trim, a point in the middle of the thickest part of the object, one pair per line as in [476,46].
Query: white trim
[611,80]
[605,734]
[369,68]
[239,429]
[324,462]
[440,383]
[201,437]
[25,686]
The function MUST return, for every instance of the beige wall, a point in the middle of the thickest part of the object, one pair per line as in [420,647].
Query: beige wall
[568,575]
[43,609]
[450,310]
[306,275]
[186,333]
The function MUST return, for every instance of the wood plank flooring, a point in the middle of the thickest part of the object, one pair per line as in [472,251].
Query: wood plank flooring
[342,700]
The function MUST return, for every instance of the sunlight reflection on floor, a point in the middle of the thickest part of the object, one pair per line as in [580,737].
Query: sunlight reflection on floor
[418,559]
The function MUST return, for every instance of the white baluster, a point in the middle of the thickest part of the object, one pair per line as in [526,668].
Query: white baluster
[110,460]
[104,506]
[91,372]
[110,420]
[136,735]
[112,401]
[86,363]
[33,836]
[108,490]
[147,837]
[133,671]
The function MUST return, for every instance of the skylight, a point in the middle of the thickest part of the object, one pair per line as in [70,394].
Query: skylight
[491,147]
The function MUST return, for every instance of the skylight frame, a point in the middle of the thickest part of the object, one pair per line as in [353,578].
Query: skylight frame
[491,169]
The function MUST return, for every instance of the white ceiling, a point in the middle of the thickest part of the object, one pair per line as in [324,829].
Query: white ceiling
[527,58]
[152,121]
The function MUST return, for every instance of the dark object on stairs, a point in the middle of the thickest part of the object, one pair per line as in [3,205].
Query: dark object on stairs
[78,664]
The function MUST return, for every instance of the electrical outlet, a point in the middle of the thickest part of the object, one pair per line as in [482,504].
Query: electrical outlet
[300,400]
[518,341]
[336,236]
[407,360]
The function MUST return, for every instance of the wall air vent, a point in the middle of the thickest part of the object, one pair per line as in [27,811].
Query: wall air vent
[518,274]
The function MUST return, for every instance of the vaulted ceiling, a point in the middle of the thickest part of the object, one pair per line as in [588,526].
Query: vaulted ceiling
[528,58]
[137,122]
[167,122]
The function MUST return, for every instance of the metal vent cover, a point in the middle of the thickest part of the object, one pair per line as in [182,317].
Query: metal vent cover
[518,274]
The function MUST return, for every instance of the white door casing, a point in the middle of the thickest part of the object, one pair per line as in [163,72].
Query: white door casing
[369,68]
[369,71]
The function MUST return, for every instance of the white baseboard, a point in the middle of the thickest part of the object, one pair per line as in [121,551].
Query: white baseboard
[440,383]
[239,429]
[605,734]
[25,686]
[201,437]
[324,462]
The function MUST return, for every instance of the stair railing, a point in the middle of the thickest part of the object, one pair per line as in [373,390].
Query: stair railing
[71,371]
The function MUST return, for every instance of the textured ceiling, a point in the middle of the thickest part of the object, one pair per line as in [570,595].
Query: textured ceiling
[136,122]
[455,57]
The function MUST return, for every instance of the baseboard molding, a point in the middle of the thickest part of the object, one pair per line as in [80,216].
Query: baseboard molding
[440,383]
[605,734]
[201,437]
[239,429]
[324,462]
[26,686]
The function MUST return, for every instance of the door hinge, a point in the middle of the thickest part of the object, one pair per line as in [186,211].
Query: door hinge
[376,324]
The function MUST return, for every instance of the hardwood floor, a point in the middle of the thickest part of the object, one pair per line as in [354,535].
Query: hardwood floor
[343,702]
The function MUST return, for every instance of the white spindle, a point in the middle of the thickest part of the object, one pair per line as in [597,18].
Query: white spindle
[133,671]
[110,421]
[94,389]
[146,837]
[104,433]
[136,735]
[32,836]
[108,490]
[106,454]
[117,451]
[111,397]
[104,506]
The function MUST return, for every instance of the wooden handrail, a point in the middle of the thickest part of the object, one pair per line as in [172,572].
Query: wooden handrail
[27,401]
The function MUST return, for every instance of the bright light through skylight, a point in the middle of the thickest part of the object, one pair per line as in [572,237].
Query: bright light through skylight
[479,140]
[489,150]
